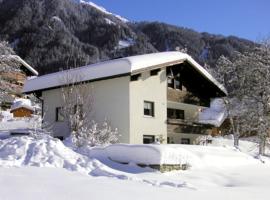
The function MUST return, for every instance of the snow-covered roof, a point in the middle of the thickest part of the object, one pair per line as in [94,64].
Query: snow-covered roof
[21,103]
[20,60]
[112,68]
[215,115]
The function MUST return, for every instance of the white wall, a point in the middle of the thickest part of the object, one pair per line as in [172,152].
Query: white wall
[148,88]
[110,101]
[51,100]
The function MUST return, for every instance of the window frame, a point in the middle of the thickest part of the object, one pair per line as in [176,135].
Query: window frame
[150,137]
[151,109]
[154,72]
[58,114]
[135,77]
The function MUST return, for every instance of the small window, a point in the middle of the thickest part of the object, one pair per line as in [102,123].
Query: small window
[135,77]
[185,141]
[154,72]
[148,139]
[149,108]
[59,114]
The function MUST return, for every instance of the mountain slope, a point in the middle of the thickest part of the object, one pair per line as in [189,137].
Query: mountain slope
[53,35]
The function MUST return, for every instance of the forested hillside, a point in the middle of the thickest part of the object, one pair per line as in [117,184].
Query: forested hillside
[58,34]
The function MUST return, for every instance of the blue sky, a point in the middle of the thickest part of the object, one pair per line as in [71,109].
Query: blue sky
[244,18]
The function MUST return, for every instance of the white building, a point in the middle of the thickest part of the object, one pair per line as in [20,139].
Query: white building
[147,97]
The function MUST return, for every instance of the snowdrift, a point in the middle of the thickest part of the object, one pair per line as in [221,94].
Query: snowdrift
[195,156]
[147,154]
[47,152]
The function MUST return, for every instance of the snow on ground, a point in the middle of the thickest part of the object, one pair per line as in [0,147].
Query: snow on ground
[49,152]
[217,172]
[29,183]
[19,125]
[125,43]
[108,21]
[46,152]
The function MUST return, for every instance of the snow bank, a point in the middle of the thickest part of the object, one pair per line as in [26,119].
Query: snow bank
[47,152]
[147,154]
[5,116]
[52,153]
[194,155]
[215,115]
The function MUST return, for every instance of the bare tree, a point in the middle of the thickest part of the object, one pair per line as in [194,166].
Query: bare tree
[78,101]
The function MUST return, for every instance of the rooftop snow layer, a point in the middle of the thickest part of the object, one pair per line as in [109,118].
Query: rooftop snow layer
[19,103]
[20,60]
[215,115]
[122,66]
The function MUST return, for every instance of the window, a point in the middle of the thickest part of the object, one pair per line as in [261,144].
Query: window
[170,83]
[78,109]
[175,82]
[149,108]
[148,139]
[59,117]
[185,141]
[178,82]
[175,113]
[135,77]
[154,72]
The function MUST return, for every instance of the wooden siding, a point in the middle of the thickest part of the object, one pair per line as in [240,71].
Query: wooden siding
[22,112]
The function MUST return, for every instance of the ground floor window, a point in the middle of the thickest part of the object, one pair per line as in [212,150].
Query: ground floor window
[59,114]
[170,140]
[148,139]
[185,141]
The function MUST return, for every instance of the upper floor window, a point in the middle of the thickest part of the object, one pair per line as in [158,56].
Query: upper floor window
[154,72]
[135,77]
[59,117]
[175,82]
[149,108]
[170,83]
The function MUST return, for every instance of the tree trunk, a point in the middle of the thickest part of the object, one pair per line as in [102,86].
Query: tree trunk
[262,146]
[235,130]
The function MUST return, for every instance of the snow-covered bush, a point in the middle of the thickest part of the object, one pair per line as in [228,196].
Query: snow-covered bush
[37,129]
[94,135]
[203,140]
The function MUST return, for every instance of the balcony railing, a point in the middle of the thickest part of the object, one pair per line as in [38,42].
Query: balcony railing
[181,121]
